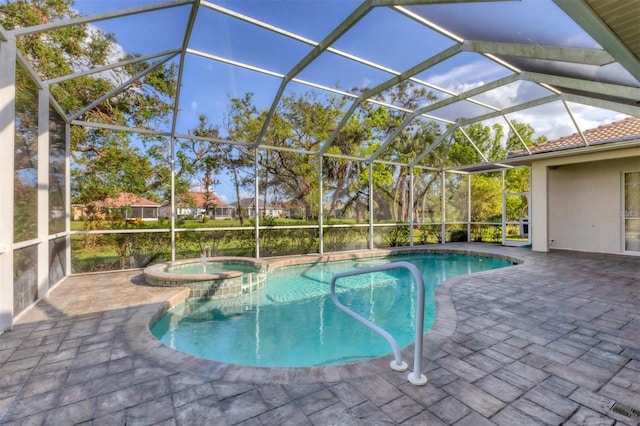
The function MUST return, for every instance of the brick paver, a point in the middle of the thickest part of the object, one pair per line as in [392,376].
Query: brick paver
[554,340]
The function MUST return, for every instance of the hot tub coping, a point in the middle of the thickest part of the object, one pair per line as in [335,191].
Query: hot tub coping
[158,271]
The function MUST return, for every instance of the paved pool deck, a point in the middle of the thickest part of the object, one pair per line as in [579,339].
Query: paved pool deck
[554,340]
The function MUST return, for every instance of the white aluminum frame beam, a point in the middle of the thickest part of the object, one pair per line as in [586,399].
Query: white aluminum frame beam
[440,104]
[39,83]
[509,110]
[118,128]
[596,57]
[174,122]
[608,89]
[120,88]
[294,80]
[600,103]
[183,50]
[434,60]
[419,2]
[575,123]
[97,17]
[313,43]
[473,144]
[584,16]
[268,72]
[334,35]
[513,129]
[433,146]
[24,63]
[96,70]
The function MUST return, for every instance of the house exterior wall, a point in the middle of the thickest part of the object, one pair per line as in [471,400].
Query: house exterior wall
[584,201]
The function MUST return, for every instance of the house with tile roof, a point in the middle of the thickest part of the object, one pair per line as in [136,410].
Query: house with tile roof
[125,205]
[196,204]
[585,189]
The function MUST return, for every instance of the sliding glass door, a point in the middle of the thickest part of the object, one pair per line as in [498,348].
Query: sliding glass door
[632,211]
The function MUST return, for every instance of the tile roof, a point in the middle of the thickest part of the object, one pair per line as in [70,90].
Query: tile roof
[199,198]
[618,131]
[125,199]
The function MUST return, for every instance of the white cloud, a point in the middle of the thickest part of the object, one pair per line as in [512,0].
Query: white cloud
[554,121]
[366,82]
[115,54]
[503,96]
[465,77]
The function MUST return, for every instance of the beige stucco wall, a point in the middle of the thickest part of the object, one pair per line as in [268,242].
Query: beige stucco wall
[583,201]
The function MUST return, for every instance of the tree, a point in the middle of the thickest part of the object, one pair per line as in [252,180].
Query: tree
[404,148]
[197,159]
[243,124]
[98,153]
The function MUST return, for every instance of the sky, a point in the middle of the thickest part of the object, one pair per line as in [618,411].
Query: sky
[381,36]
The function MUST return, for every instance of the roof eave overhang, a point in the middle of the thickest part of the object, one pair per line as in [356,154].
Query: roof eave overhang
[528,160]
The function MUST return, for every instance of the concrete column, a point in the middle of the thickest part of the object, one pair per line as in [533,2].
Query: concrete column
[539,227]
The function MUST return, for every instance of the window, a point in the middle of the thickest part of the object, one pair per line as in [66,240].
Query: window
[632,211]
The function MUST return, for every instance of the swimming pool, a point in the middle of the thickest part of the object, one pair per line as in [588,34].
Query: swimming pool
[291,321]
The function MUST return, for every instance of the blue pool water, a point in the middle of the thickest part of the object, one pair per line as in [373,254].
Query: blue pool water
[292,321]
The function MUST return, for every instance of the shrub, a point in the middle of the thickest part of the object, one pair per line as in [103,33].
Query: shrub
[398,236]
[458,235]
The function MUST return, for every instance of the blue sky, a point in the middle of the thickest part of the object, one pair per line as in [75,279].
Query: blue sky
[380,36]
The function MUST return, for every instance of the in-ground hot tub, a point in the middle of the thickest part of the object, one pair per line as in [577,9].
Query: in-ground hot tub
[213,278]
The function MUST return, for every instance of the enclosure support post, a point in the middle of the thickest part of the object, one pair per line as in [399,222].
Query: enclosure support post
[504,209]
[530,233]
[320,207]
[469,207]
[443,206]
[7,154]
[67,197]
[411,216]
[256,202]
[43,192]
[371,245]
[173,197]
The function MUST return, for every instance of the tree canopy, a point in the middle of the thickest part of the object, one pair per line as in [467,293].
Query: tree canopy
[105,162]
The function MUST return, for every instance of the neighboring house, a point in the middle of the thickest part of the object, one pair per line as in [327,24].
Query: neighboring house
[125,205]
[586,192]
[264,210]
[193,205]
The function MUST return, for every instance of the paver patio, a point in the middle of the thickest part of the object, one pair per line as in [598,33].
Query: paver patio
[554,340]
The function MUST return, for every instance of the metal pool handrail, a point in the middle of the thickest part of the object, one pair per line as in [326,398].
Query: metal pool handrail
[415,377]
